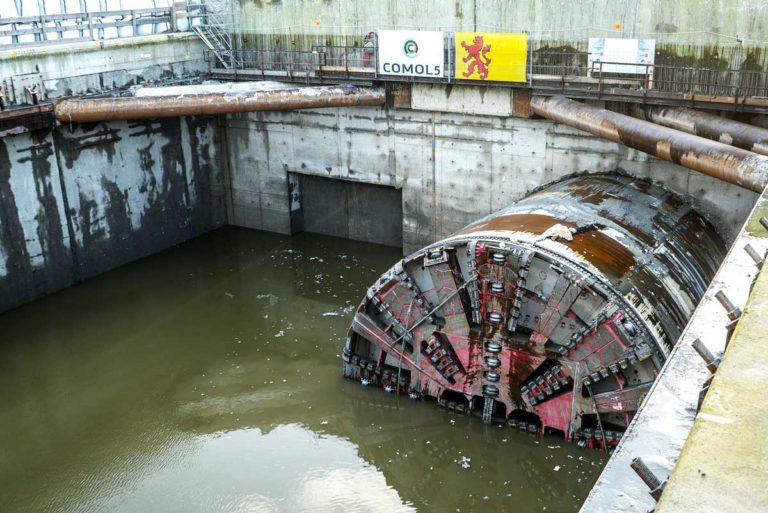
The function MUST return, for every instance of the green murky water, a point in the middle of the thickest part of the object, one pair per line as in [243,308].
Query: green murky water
[207,379]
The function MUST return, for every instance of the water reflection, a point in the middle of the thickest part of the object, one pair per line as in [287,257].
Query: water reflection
[207,378]
[288,469]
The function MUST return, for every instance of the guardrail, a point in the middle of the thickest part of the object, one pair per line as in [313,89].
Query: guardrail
[564,71]
[560,72]
[93,26]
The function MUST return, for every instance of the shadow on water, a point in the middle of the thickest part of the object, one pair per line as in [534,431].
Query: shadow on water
[207,378]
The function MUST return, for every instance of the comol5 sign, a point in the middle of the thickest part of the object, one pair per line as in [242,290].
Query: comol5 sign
[410,53]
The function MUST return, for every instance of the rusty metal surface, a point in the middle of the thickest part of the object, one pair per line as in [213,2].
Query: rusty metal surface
[709,126]
[101,109]
[665,419]
[557,312]
[18,120]
[632,232]
[734,165]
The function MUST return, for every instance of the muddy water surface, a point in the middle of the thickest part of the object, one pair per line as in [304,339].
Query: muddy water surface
[207,379]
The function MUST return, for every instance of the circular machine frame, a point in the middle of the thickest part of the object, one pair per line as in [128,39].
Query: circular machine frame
[556,313]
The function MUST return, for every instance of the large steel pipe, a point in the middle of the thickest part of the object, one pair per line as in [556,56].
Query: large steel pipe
[557,312]
[709,126]
[102,109]
[733,165]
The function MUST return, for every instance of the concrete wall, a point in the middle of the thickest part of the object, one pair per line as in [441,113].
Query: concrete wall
[686,21]
[92,67]
[83,199]
[453,160]
[80,200]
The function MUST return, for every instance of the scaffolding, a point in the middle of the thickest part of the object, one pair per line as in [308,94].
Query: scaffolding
[218,28]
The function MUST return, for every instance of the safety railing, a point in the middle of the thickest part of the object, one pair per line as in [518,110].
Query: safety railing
[712,82]
[555,71]
[274,63]
[91,26]
[548,62]
[346,57]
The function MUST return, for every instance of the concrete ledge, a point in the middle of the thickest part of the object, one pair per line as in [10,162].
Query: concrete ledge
[723,466]
[80,46]
[95,66]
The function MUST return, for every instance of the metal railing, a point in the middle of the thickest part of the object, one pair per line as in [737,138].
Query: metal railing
[92,26]
[563,69]
[549,70]
[216,22]
[318,64]
[670,79]
[347,57]
[287,64]
[714,82]
[218,27]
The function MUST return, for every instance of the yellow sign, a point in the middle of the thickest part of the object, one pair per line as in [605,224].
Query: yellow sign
[491,56]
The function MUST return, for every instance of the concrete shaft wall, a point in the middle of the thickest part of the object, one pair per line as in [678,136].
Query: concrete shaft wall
[455,153]
[92,67]
[80,200]
[83,199]
[686,21]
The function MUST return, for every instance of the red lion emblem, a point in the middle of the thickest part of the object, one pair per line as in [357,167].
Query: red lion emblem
[478,54]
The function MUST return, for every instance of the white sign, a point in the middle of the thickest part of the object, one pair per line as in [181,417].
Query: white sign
[411,53]
[629,51]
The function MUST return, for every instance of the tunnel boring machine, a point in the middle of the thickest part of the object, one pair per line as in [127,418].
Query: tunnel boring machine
[554,314]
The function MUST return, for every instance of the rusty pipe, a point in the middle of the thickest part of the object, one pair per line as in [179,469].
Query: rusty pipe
[709,126]
[734,165]
[102,109]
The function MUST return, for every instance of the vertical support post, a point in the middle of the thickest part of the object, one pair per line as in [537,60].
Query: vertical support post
[43,34]
[530,60]
[174,17]
[600,81]
[451,56]
[90,25]
[376,55]
[290,65]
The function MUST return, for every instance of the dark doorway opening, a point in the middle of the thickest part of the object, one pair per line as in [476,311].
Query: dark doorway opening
[351,210]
